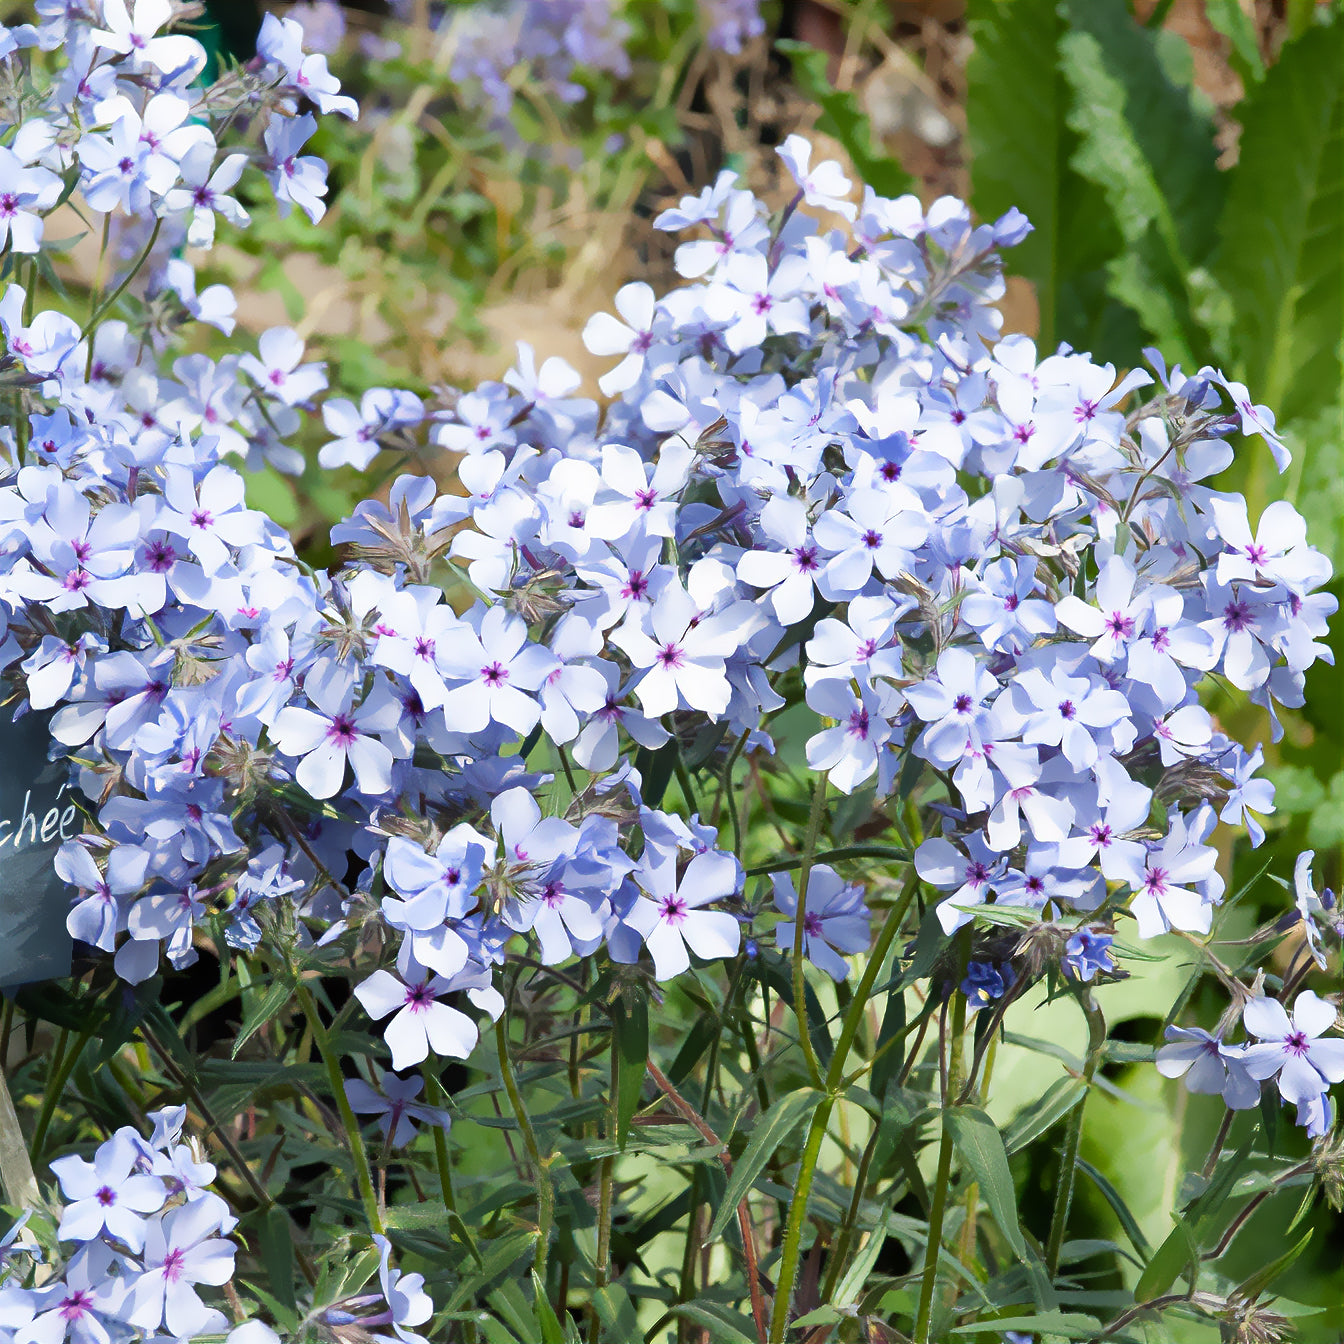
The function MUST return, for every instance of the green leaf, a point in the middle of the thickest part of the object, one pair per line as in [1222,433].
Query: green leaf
[1282,255]
[768,1134]
[1118,1206]
[547,1320]
[498,1257]
[1228,17]
[1019,157]
[1031,1122]
[1262,1278]
[1063,1324]
[851,1286]
[630,1024]
[1017,101]
[259,1009]
[1177,1255]
[616,1312]
[844,119]
[893,1026]
[980,1144]
[275,1250]
[1149,148]
[722,1329]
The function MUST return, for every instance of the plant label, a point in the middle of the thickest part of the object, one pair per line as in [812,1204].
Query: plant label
[37,814]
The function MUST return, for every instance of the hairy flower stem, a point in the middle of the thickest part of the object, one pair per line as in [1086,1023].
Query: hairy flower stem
[545,1190]
[814,823]
[793,1236]
[1068,1164]
[924,1315]
[363,1174]
[834,1087]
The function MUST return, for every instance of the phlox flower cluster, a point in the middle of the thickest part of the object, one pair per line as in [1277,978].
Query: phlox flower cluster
[149,1240]
[821,479]
[148,1235]
[1292,1049]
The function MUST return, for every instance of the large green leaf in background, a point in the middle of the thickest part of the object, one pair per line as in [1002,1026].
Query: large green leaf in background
[1145,142]
[1281,260]
[1017,104]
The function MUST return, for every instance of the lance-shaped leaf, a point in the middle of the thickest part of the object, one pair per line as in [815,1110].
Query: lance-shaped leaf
[768,1134]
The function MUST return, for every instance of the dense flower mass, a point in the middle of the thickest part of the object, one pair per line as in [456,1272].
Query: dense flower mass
[990,572]
[149,1237]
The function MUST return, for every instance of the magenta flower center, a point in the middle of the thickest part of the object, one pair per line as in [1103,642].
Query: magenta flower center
[672,909]
[342,730]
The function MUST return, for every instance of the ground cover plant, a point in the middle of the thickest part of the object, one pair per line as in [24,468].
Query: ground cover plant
[616,899]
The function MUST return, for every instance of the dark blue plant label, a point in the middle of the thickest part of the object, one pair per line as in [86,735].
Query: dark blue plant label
[37,814]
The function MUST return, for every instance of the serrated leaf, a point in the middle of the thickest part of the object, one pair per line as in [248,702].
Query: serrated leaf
[1281,260]
[1022,148]
[978,1141]
[1144,142]
[768,1134]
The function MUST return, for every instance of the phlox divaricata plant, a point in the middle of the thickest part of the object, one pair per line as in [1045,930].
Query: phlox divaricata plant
[991,580]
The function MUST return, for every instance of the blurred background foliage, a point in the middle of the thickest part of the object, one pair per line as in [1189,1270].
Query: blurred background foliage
[1183,164]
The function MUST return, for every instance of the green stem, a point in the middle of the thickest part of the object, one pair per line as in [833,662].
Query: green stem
[66,1059]
[793,1236]
[940,1182]
[834,1084]
[606,1180]
[545,1191]
[102,309]
[434,1094]
[853,1019]
[841,1247]
[363,1173]
[1068,1162]
[687,788]
[734,816]
[924,1319]
[799,929]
